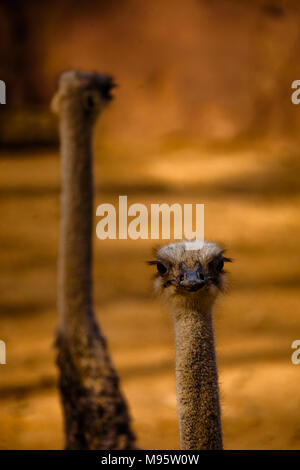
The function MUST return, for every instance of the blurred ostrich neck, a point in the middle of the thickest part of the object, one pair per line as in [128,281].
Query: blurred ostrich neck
[197,378]
[75,264]
[96,414]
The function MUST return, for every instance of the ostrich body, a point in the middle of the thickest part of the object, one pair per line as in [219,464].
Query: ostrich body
[190,281]
[95,412]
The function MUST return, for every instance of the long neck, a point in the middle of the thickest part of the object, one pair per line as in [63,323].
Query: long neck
[75,256]
[197,380]
[96,414]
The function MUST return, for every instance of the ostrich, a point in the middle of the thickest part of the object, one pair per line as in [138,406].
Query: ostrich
[95,411]
[189,276]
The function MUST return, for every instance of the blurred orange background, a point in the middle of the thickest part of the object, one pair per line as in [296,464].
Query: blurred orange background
[203,113]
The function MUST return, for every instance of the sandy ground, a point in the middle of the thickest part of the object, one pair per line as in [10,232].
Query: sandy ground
[252,198]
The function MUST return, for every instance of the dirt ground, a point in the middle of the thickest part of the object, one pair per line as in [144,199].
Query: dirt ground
[251,197]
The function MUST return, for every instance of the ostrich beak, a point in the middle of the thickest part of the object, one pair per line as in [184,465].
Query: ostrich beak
[191,280]
[107,88]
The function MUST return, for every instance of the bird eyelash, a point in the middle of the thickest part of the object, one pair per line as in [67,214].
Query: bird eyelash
[169,282]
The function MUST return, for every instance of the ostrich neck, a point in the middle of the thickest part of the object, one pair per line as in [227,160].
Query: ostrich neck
[96,413]
[197,380]
[75,257]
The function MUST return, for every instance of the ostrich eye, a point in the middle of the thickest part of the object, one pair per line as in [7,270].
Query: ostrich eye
[217,264]
[161,268]
[220,264]
[89,101]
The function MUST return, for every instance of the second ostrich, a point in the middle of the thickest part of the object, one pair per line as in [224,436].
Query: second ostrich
[96,415]
[189,276]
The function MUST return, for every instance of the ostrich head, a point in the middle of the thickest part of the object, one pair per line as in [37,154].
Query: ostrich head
[82,94]
[190,272]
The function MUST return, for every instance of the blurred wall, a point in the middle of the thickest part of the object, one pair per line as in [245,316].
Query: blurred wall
[218,69]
